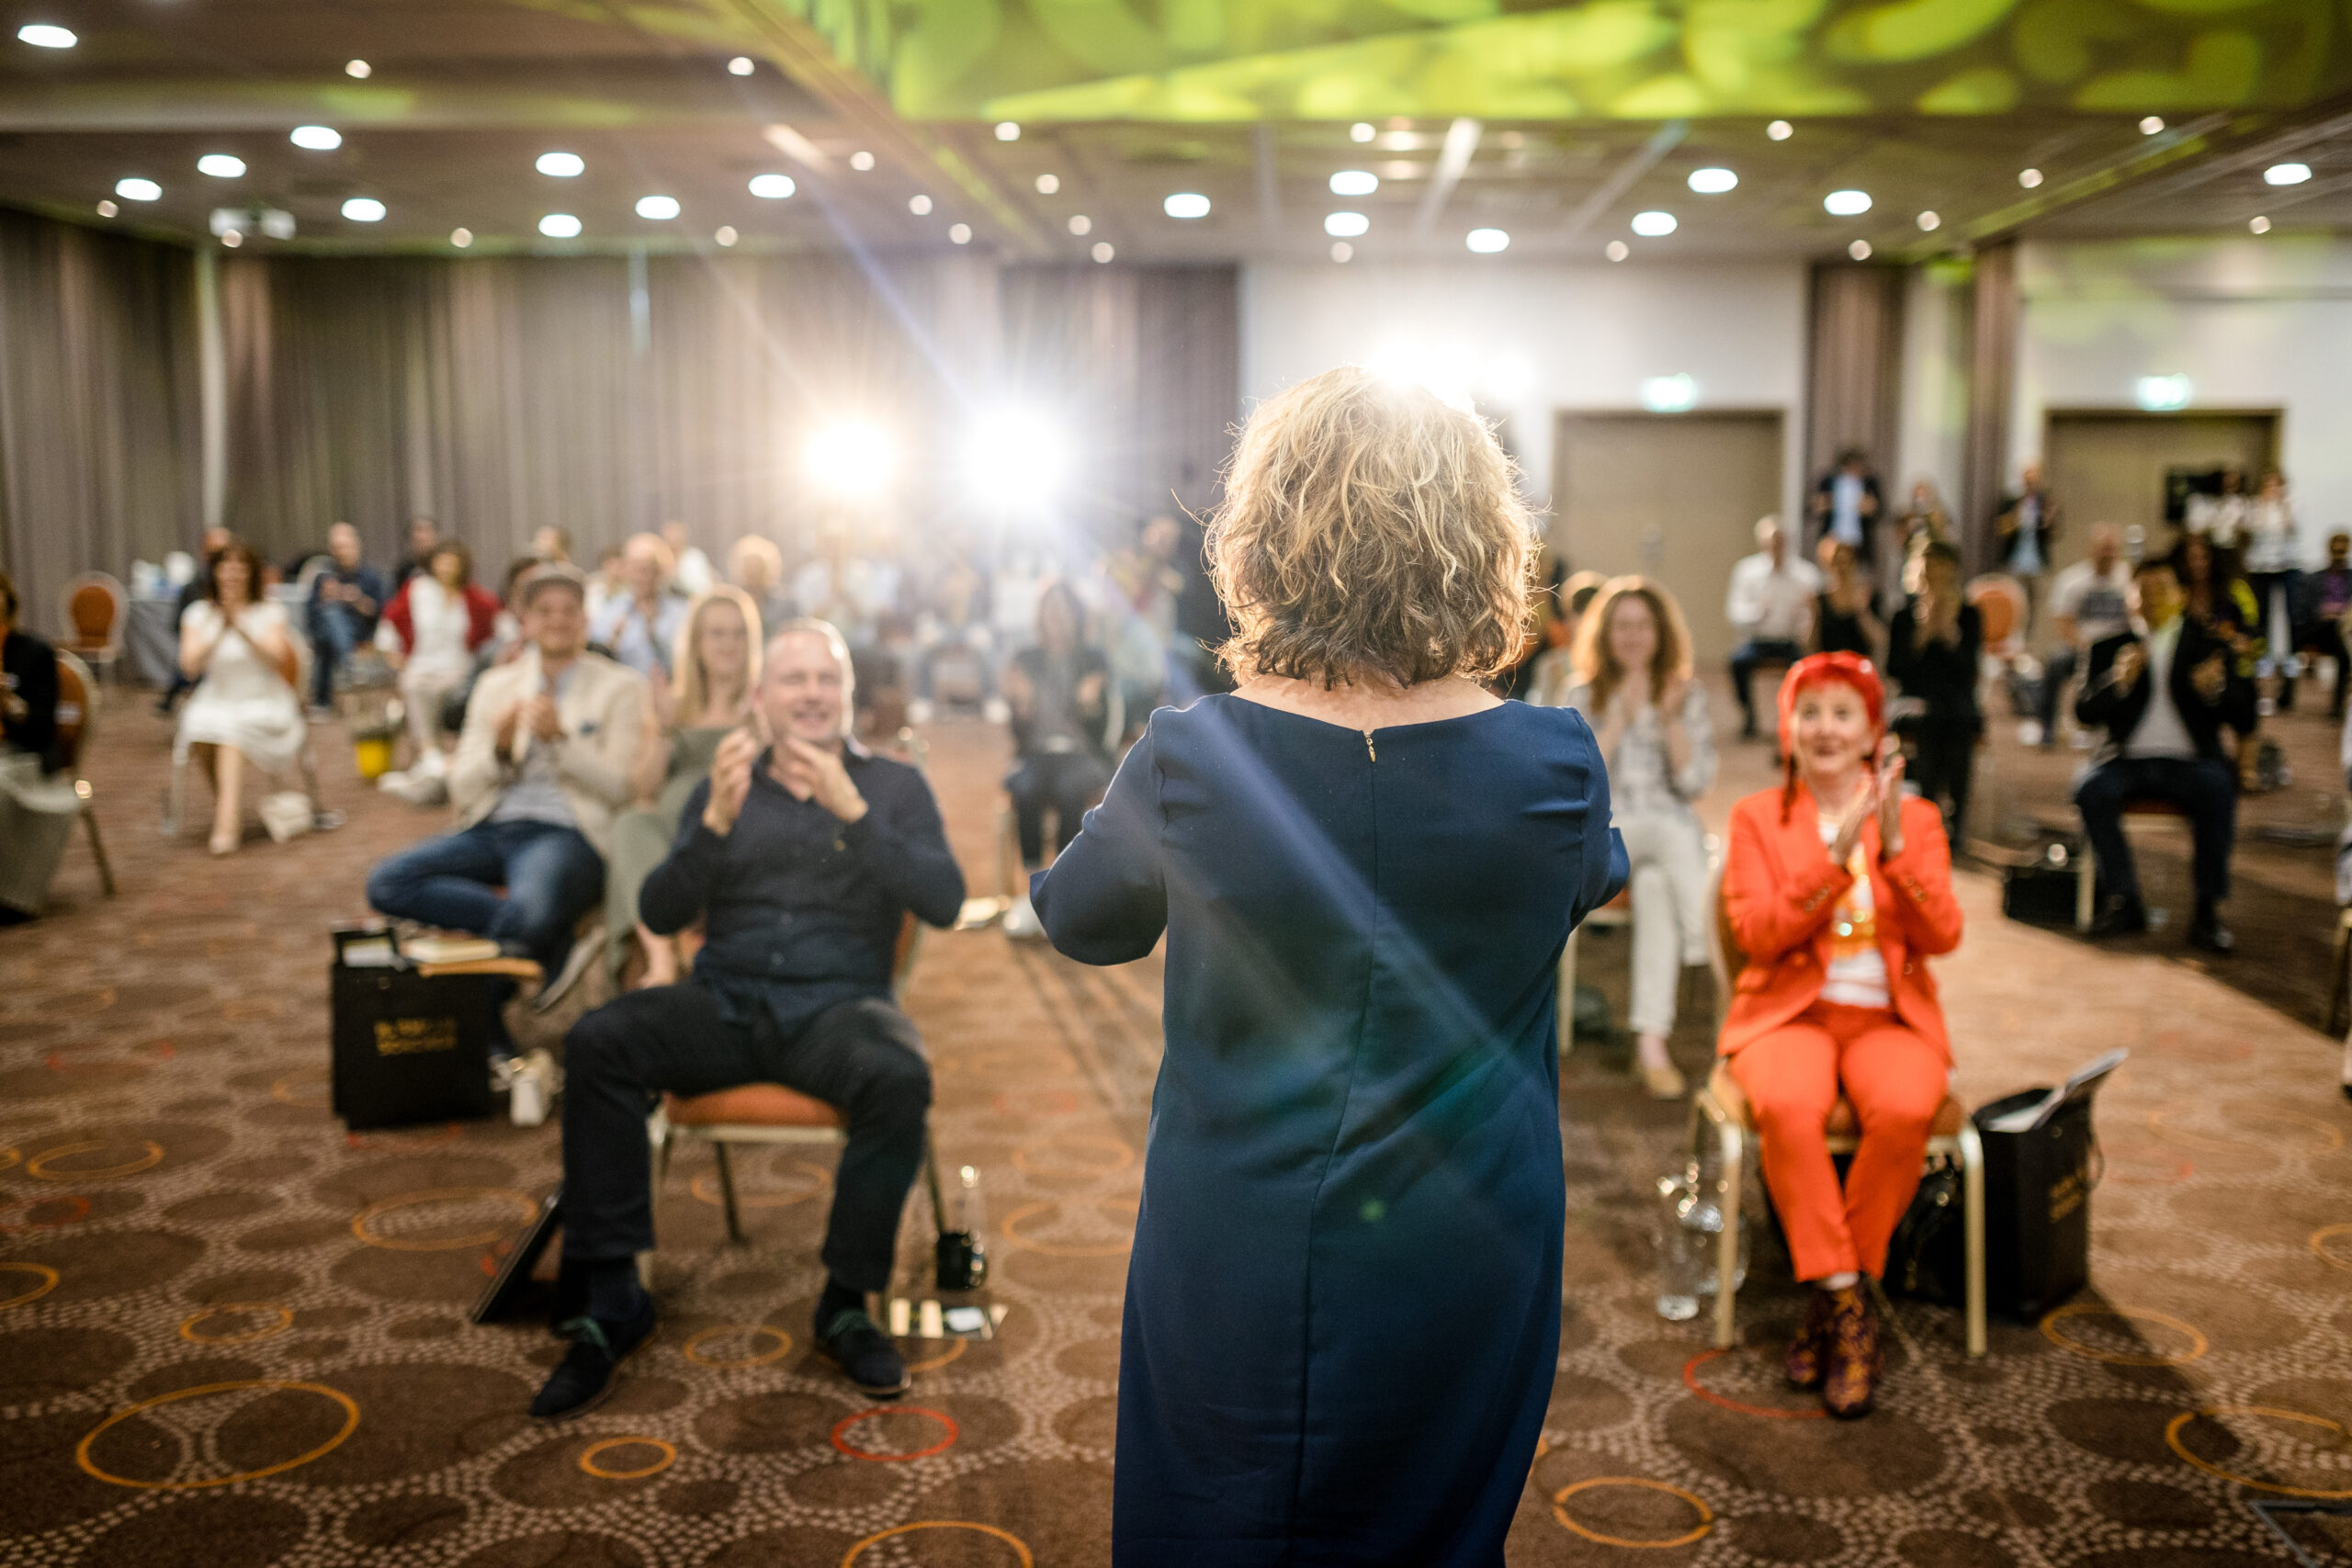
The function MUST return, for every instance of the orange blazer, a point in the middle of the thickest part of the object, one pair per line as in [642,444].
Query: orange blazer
[1780,891]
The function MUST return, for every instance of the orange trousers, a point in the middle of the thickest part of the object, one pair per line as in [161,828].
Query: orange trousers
[1895,1082]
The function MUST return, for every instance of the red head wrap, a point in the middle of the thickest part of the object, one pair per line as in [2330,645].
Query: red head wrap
[1830,669]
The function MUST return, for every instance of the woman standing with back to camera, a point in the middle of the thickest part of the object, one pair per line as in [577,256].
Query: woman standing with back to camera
[1344,1303]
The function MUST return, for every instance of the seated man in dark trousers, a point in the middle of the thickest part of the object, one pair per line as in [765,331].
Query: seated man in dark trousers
[543,764]
[802,858]
[2163,690]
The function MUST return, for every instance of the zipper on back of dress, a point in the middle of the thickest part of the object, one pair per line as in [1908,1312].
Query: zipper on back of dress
[1367,747]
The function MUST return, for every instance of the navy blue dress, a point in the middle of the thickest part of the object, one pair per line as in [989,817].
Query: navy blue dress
[1344,1306]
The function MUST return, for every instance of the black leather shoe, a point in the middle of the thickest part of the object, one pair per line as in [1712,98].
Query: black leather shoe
[2208,932]
[2123,916]
[585,1377]
[865,1354]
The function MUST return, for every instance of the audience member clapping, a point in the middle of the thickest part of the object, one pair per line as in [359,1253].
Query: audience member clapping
[2089,602]
[543,765]
[756,566]
[431,632]
[718,660]
[1844,620]
[244,711]
[1059,693]
[691,577]
[1933,649]
[640,625]
[1555,668]
[1634,686]
[346,597]
[1769,606]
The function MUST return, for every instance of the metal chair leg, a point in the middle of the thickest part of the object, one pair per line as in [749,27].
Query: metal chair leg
[2086,884]
[727,1195]
[98,848]
[1734,1151]
[1972,1213]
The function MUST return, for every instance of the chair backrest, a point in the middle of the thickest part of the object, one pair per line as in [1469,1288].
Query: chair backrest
[1724,952]
[94,608]
[2000,606]
[77,704]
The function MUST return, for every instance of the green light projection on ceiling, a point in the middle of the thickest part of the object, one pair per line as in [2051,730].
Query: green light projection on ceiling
[1224,60]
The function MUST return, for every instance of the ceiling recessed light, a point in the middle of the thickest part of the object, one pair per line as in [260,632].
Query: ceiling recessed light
[1102,250]
[220,166]
[861,160]
[133,188]
[368,210]
[772,187]
[2259,225]
[959,233]
[1362,131]
[1713,182]
[315,138]
[561,166]
[657,208]
[47,35]
[559,226]
[919,205]
[1487,242]
[1617,250]
[1048,184]
[1079,223]
[742,65]
[359,68]
[2151,125]
[725,235]
[2028,178]
[1342,251]
[1930,222]
[1780,130]
[462,238]
[232,239]
[1654,225]
[108,210]
[1846,203]
[1186,204]
[1345,225]
[1008,131]
[1860,250]
[2286,173]
[1354,181]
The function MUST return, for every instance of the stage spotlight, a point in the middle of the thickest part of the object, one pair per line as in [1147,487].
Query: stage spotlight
[561,166]
[850,461]
[1017,461]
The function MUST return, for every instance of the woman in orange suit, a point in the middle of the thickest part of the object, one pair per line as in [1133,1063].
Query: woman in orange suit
[1838,887]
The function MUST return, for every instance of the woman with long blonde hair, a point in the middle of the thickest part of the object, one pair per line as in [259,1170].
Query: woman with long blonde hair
[1343,1300]
[1634,684]
[717,657]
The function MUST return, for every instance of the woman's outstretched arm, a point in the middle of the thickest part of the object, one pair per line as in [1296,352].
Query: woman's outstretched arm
[1104,899]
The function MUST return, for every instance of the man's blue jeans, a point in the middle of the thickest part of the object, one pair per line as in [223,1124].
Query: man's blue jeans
[336,630]
[552,876]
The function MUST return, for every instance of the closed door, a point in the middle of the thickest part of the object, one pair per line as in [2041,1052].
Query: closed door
[2109,467]
[1671,496]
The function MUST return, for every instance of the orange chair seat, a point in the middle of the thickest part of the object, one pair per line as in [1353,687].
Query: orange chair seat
[750,1105]
[1951,1116]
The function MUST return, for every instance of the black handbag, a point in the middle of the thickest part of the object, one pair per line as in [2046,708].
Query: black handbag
[1927,1258]
[410,1045]
[2037,1185]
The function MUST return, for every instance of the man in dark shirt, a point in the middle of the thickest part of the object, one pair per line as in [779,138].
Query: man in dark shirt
[345,599]
[802,858]
[2163,690]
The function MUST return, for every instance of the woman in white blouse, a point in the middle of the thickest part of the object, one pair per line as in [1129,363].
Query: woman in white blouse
[429,632]
[244,710]
[1633,685]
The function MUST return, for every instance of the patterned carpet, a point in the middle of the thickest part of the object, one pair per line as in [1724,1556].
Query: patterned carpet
[234,1335]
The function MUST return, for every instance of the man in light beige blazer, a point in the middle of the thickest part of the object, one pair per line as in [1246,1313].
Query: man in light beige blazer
[540,769]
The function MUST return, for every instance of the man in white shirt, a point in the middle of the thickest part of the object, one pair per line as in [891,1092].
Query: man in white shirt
[1770,606]
[2163,689]
[2089,604]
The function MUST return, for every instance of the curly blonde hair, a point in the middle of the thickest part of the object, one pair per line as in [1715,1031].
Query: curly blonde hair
[1370,530]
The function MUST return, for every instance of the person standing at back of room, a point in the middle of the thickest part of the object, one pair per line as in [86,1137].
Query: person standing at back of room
[1342,1312]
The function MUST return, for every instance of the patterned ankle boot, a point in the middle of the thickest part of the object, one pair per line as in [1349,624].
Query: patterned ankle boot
[1809,1350]
[1852,1376]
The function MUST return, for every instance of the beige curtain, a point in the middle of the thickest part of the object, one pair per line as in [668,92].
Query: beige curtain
[98,405]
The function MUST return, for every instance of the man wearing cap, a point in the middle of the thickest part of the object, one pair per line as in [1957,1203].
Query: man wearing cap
[542,765]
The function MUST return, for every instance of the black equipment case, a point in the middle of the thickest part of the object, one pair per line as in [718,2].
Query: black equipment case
[412,1042]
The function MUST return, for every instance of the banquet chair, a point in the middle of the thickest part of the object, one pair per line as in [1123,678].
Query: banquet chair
[1720,1108]
[95,606]
[78,718]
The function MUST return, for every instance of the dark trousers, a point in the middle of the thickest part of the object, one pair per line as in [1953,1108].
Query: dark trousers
[1744,660]
[552,876]
[1067,782]
[336,630]
[861,1056]
[2205,788]
[2321,637]
[1943,760]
